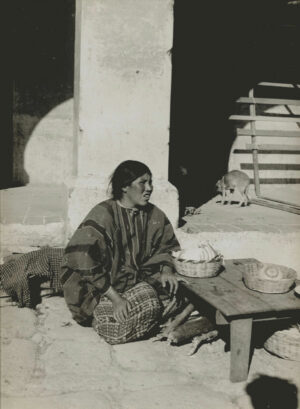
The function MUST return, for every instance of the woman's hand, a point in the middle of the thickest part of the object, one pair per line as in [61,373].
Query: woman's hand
[121,306]
[167,276]
[121,309]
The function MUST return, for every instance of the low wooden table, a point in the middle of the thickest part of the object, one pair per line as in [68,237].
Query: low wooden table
[238,306]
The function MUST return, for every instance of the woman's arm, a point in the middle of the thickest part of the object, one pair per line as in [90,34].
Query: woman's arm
[167,276]
[163,241]
[162,237]
[89,252]
[121,306]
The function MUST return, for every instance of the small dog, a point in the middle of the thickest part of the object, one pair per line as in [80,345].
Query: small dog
[234,181]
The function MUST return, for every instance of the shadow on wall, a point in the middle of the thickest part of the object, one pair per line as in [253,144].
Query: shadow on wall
[268,392]
[42,36]
[49,152]
[221,50]
[27,119]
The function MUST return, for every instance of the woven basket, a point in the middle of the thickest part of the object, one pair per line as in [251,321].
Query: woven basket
[284,344]
[256,277]
[200,270]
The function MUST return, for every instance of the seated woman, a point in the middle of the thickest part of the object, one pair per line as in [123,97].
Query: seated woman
[118,262]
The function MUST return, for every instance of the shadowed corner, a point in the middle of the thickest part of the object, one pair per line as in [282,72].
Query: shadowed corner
[267,392]
[236,46]
[40,78]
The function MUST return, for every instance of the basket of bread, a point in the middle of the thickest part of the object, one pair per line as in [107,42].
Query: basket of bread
[202,261]
[285,343]
[268,278]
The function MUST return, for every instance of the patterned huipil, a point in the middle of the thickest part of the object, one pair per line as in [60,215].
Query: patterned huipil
[114,246]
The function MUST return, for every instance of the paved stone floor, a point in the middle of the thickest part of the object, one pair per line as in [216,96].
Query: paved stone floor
[48,361]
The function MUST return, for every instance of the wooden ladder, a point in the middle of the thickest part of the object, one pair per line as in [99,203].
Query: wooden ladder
[255,147]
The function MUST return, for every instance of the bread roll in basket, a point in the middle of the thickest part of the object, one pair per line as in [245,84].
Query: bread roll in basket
[202,261]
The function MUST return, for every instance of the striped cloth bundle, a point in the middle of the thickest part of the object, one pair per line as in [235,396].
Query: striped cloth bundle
[22,275]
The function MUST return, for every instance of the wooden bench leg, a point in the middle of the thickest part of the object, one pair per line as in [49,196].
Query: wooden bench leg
[240,342]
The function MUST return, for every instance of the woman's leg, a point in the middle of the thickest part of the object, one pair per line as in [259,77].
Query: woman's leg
[143,315]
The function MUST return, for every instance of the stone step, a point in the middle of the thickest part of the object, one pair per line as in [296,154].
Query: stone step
[32,216]
[20,238]
[270,235]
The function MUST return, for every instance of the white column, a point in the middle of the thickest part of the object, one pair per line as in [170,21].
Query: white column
[122,97]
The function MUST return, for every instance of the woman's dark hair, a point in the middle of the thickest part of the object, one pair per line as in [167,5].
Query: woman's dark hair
[125,174]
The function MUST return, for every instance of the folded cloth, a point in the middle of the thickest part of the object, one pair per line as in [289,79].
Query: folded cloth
[143,315]
[22,276]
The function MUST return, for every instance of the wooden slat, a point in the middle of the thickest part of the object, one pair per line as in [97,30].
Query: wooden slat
[297,206]
[275,205]
[222,295]
[274,174]
[278,84]
[275,133]
[272,166]
[271,147]
[268,101]
[278,181]
[228,294]
[221,320]
[264,118]
[275,302]
[266,152]
[240,343]
[267,158]
[252,111]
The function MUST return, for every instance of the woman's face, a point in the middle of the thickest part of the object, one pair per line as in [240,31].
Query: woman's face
[139,192]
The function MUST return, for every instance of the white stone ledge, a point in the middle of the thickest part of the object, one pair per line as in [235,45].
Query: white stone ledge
[267,247]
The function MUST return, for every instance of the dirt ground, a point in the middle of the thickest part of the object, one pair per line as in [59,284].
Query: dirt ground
[48,361]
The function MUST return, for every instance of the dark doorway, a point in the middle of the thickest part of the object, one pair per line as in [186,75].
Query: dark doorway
[221,49]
